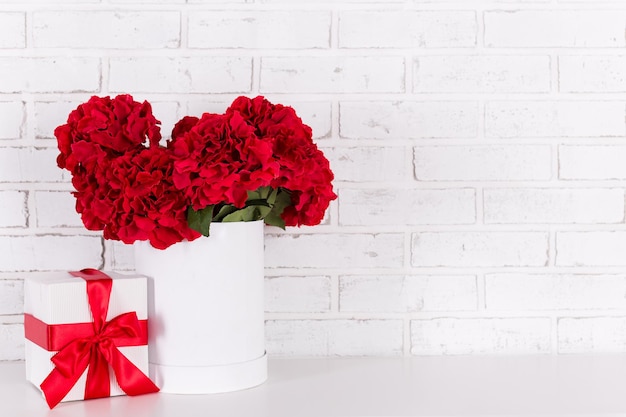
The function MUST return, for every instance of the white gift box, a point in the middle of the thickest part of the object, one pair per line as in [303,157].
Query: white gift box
[59,298]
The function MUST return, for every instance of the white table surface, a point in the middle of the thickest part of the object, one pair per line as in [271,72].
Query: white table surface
[418,386]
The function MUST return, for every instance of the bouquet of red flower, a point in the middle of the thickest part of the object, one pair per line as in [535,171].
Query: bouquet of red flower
[257,161]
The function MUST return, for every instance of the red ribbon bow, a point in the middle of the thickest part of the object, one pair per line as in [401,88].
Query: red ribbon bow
[97,349]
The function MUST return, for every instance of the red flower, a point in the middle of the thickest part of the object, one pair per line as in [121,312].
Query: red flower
[132,189]
[220,159]
[304,170]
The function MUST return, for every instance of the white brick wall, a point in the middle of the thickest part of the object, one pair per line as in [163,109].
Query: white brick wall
[452,336]
[106,29]
[466,74]
[480,164]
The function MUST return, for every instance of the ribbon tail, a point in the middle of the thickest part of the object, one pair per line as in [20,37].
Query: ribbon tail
[130,378]
[98,381]
[56,385]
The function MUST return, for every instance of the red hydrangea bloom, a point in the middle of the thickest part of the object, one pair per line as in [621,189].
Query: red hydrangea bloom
[219,159]
[105,127]
[304,170]
[132,198]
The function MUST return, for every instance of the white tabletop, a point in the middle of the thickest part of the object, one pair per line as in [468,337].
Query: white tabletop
[417,386]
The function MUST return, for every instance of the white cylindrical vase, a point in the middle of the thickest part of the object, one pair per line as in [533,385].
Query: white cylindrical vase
[206,312]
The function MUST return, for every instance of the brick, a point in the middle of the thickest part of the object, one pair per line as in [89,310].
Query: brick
[452,336]
[484,248]
[292,29]
[592,248]
[410,120]
[562,28]
[407,29]
[513,119]
[106,29]
[13,210]
[301,294]
[215,1]
[47,2]
[407,294]
[547,205]
[49,252]
[163,1]
[50,114]
[30,165]
[49,75]
[317,115]
[11,296]
[332,74]
[487,1]
[483,162]
[167,112]
[389,206]
[12,30]
[554,292]
[481,74]
[590,1]
[11,341]
[309,1]
[334,250]
[202,74]
[368,163]
[119,256]
[592,74]
[56,209]
[595,162]
[592,335]
[11,119]
[334,337]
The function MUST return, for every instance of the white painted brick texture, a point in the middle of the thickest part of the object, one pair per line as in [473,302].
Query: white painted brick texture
[274,30]
[592,334]
[402,29]
[218,74]
[453,336]
[408,120]
[547,205]
[585,74]
[407,294]
[332,74]
[477,74]
[478,148]
[469,249]
[106,29]
[14,204]
[565,118]
[389,206]
[11,120]
[555,28]
[334,337]
[49,74]
[518,291]
[12,30]
[483,163]
[297,294]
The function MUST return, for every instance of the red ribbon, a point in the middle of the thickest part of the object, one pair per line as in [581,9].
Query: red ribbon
[94,348]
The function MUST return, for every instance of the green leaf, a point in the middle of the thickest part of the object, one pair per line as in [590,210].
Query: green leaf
[236,216]
[257,202]
[271,197]
[223,212]
[282,199]
[200,220]
[274,219]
